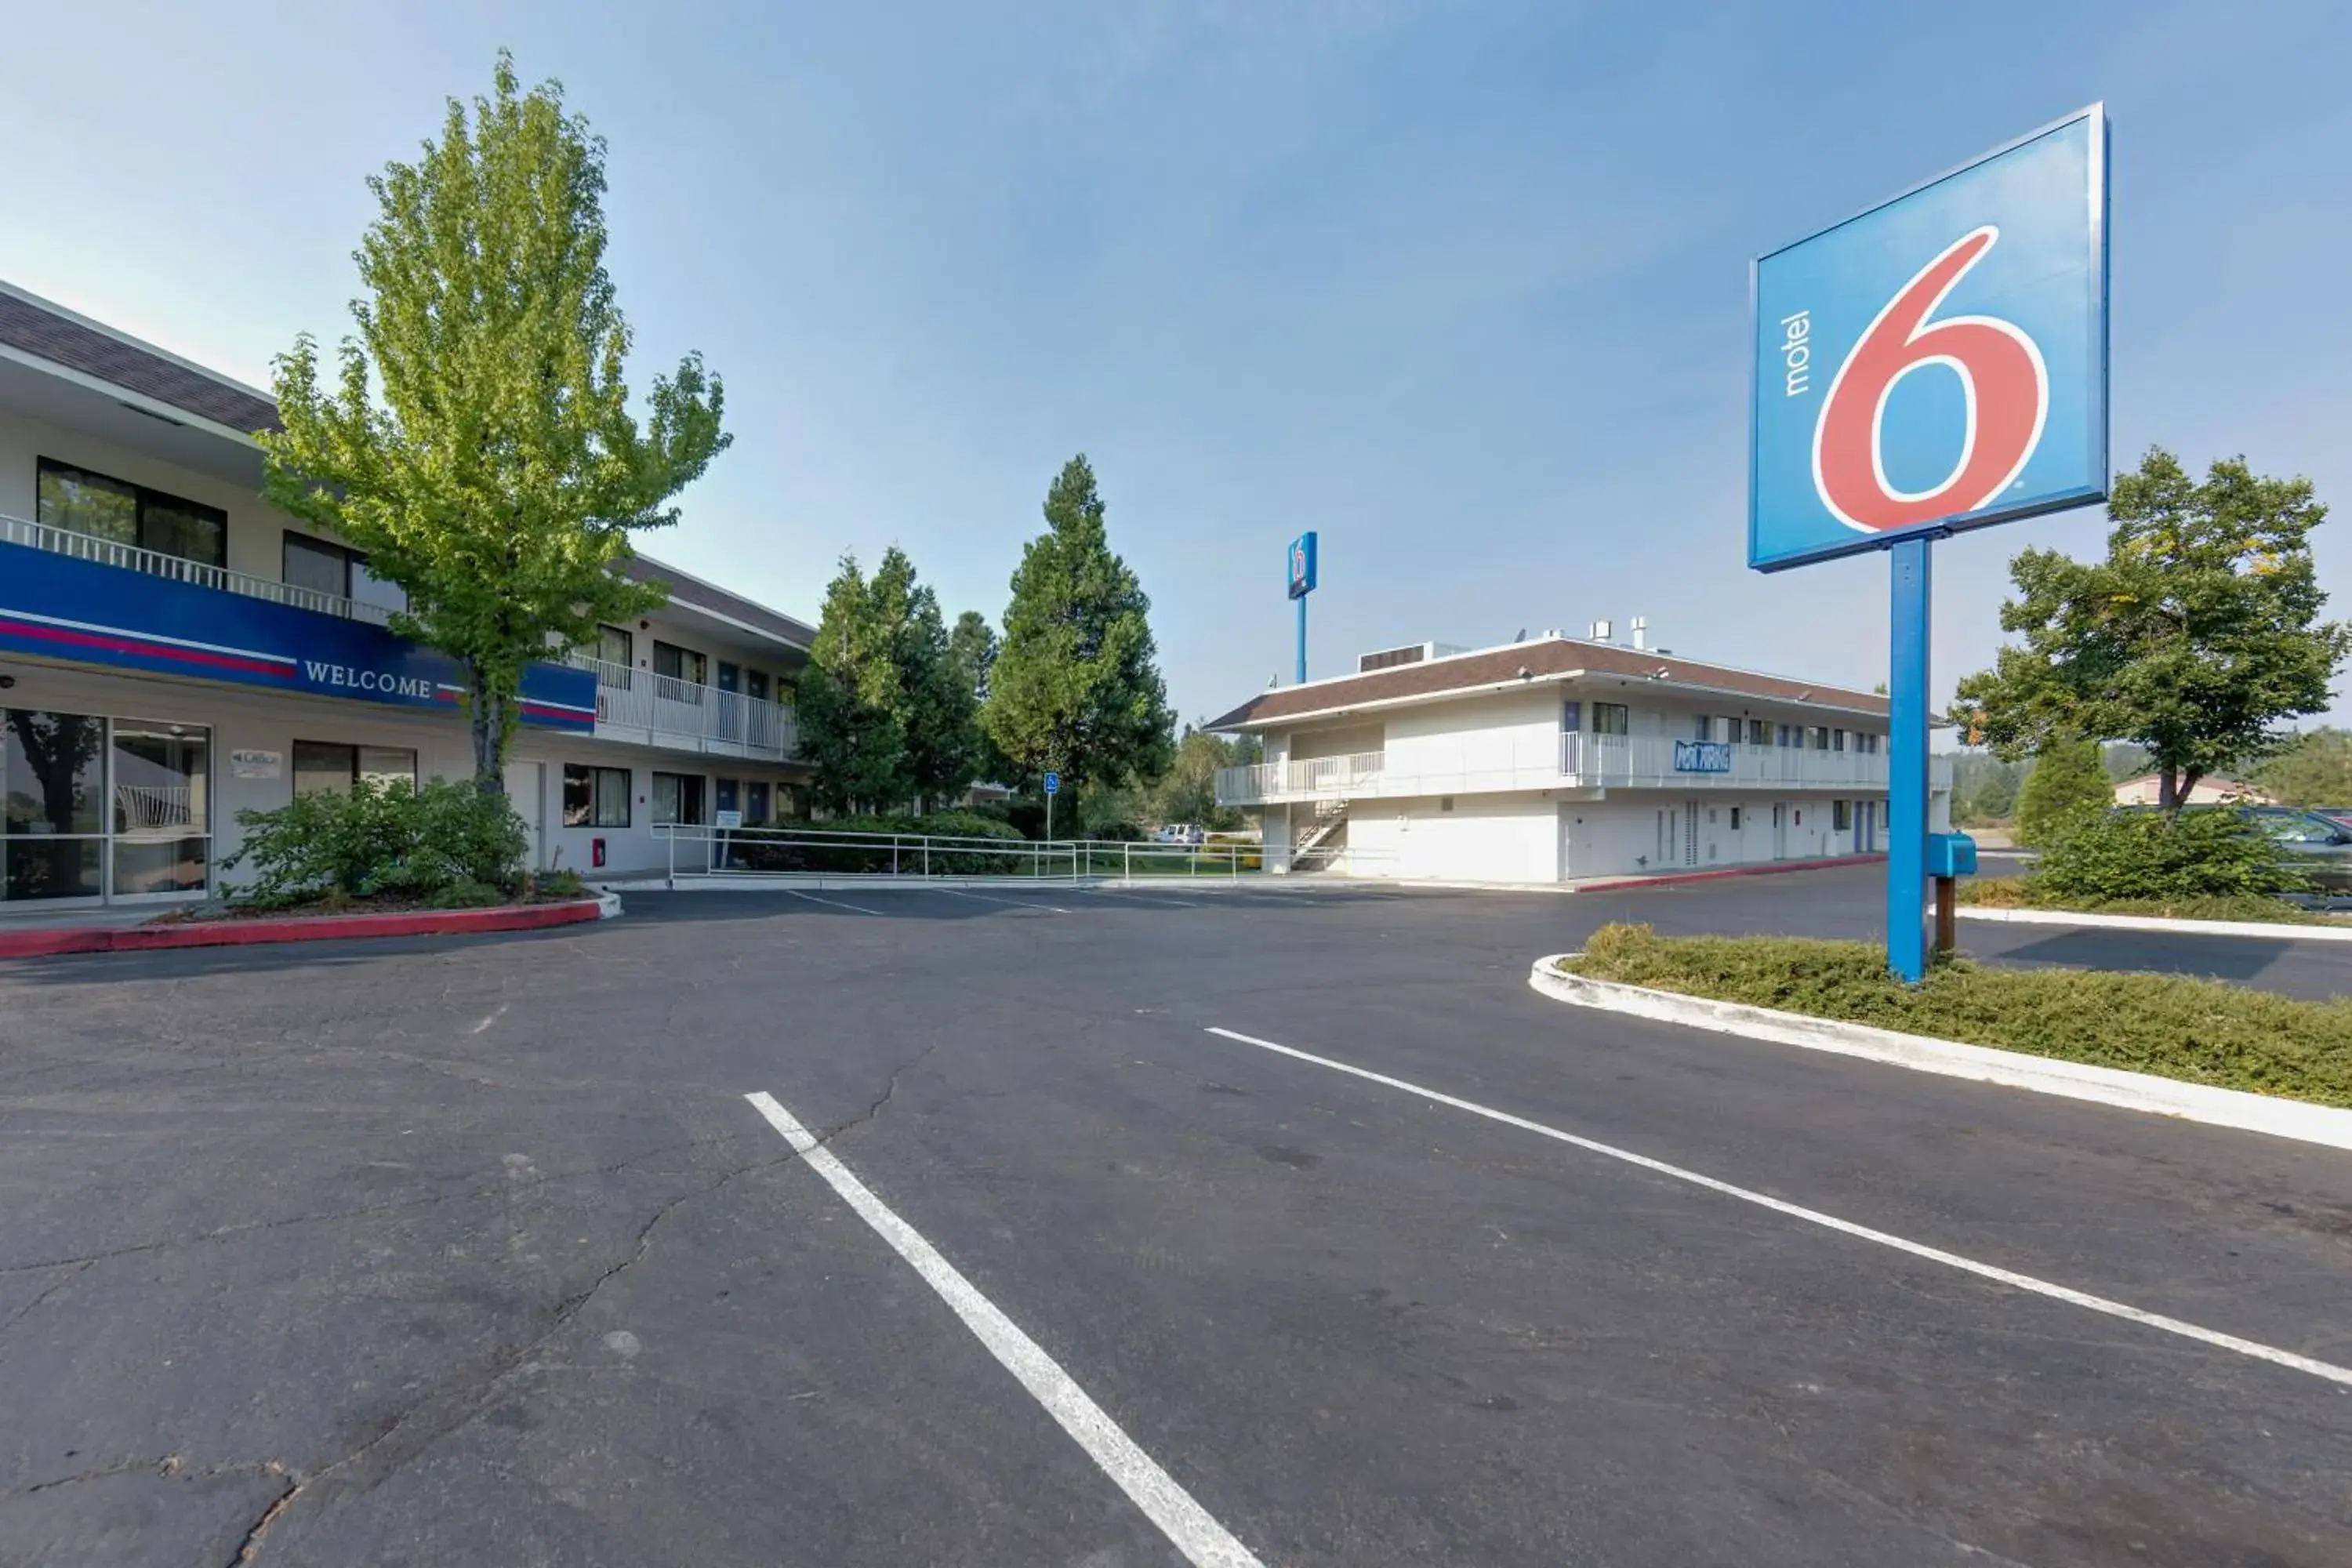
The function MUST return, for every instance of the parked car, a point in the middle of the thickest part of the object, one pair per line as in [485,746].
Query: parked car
[2340,814]
[1179,832]
[2320,846]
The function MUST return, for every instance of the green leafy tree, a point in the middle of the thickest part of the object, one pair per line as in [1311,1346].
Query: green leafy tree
[2316,770]
[937,705]
[1076,687]
[2196,637]
[2067,779]
[1984,788]
[1188,790]
[477,439]
[885,716]
[972,646]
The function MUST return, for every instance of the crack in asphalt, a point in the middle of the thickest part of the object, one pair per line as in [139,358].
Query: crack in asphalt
[505,1188]
[75,1268]
[416,1430]
[889,1092]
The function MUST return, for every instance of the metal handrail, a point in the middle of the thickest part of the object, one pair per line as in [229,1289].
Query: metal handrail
[1573,760]
[666,711]
[920,856]
[179,569]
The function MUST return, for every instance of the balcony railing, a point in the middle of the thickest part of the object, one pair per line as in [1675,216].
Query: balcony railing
[1575,760]
[663,710]
[155,564]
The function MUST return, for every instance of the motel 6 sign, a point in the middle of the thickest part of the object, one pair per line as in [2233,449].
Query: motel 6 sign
[1938,362]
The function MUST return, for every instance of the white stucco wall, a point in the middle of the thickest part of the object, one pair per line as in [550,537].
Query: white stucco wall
[1483,839]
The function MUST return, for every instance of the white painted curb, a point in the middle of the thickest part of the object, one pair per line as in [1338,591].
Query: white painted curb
[2277,931]
[2293,1119]
[608,904]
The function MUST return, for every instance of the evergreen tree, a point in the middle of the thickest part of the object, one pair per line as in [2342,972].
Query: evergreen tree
[885,717]
[476,441]
[2067,777]
[1076,688]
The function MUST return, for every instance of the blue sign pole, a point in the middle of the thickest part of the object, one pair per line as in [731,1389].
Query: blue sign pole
[1906,763]
[1302,639]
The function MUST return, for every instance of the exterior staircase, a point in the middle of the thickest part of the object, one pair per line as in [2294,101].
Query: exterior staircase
[1326,838]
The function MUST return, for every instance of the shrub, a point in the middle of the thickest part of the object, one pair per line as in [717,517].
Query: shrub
[2203,1031]
[2114,854]
[559,884]
[466,896]
[378,839]
[2067,779]
[813,854]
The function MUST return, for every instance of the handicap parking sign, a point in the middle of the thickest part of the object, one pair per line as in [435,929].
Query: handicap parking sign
[1053,784]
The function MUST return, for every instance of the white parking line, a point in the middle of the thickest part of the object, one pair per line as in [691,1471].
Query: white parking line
[2271,1353]
[837,903]
[1016,903]
[1202,1539]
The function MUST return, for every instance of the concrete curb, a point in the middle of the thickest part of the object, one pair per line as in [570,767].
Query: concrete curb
[2275,930]
[2144,1092]
[308,928]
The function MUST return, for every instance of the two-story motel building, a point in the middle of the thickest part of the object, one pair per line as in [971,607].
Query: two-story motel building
[1561,758]
[174,650]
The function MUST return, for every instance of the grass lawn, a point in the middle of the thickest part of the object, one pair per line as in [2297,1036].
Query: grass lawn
[2022,893]
[2200,1030]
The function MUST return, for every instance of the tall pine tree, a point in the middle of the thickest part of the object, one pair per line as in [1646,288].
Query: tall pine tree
[1076,688]
[886,716]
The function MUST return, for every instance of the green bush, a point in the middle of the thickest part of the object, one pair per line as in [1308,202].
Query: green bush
[2068,779]
[380,839]
[2200,1030]
[2108,856]
[466,896]
[802,854]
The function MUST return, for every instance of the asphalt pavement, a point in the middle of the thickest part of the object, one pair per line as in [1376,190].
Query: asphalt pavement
[438,1253]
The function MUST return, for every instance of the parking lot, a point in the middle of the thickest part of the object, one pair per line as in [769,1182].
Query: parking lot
[1187,1225]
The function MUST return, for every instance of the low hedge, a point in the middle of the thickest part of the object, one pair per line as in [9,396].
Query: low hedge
[2028,892]
[815,854]
[2202,1031]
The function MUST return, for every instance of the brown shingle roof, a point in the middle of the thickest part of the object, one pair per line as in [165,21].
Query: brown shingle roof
[1546,658]
[27,325]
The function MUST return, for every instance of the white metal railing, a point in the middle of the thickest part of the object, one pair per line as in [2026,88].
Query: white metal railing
[176,568]
[1573,761]
[696,849]
[663,710]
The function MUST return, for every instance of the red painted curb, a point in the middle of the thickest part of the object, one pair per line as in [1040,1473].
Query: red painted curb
[309,927]
[1768,870]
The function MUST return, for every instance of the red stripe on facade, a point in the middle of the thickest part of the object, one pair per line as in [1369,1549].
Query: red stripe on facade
[127,644]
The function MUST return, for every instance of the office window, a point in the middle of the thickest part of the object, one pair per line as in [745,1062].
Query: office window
[81,501]
[330,767]
[678,798]
[1734,819]
[1760,732]
[1611,719]
[1571,717]
[596,797]
[1840,815]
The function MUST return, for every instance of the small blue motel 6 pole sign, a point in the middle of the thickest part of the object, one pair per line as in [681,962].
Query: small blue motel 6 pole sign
[1298,564]
[1935,365]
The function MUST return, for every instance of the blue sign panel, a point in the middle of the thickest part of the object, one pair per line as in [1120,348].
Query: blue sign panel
[55,607]
[1702,757]
[1300,559]
[1053,784]
[1938,362]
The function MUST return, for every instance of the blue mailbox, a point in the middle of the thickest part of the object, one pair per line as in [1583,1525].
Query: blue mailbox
[1951,855]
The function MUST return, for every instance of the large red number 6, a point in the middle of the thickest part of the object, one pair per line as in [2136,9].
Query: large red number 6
[2003,378]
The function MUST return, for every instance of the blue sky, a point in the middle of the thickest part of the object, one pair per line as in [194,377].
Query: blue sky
[1462,286]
